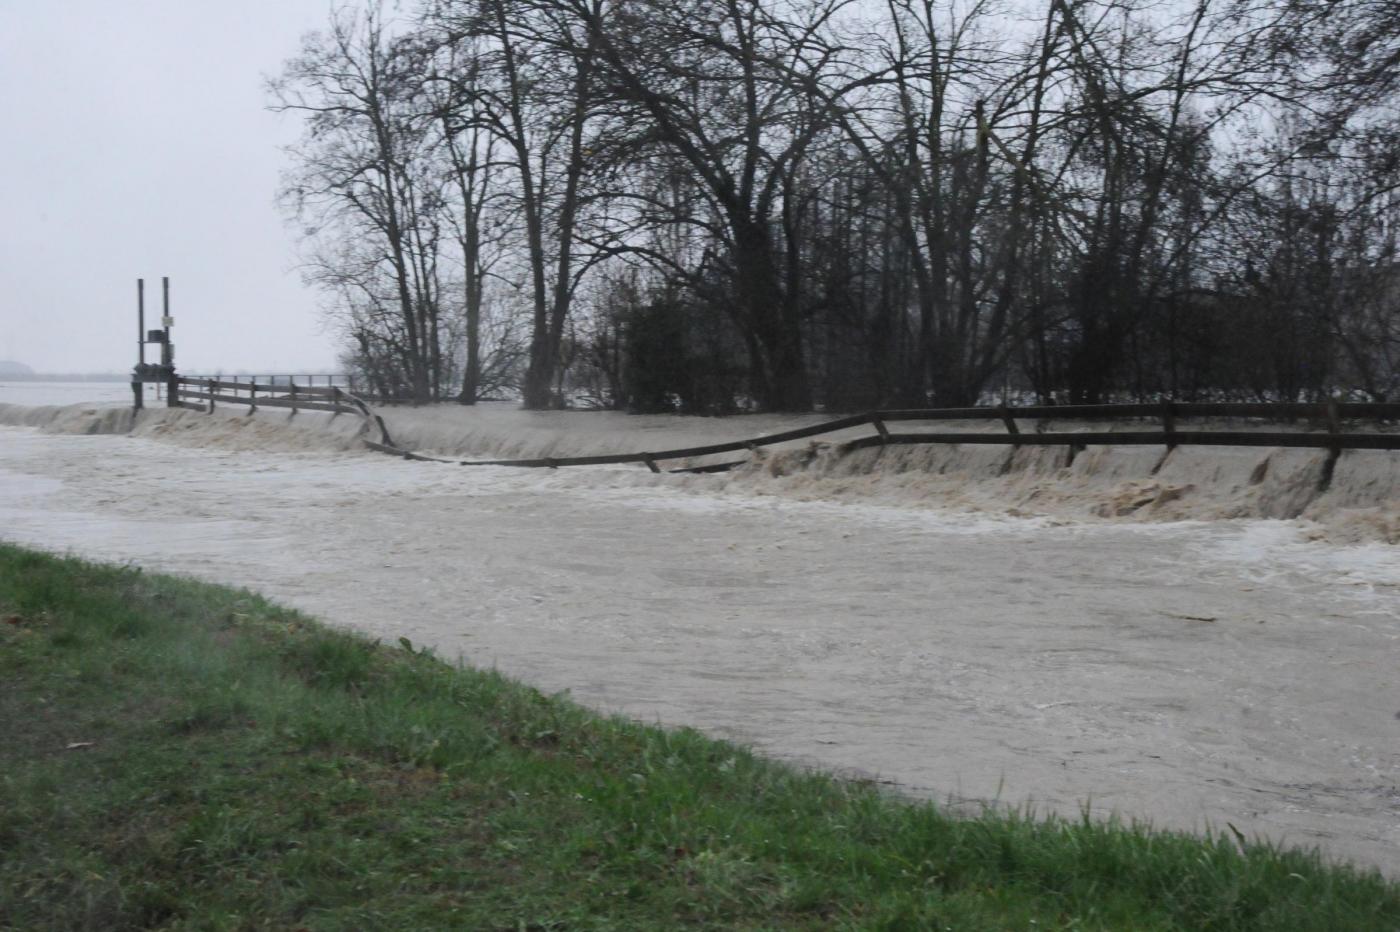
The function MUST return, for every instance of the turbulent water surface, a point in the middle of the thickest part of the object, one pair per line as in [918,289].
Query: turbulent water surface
[1186,672]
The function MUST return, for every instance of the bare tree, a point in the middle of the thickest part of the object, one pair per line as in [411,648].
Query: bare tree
[716,204]
[718,89]
[532,90]
[360,168]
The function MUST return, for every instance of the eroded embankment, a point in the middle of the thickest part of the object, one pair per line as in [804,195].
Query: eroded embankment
[1359,501]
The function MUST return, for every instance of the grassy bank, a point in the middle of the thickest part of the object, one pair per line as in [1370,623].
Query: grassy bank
[180,755]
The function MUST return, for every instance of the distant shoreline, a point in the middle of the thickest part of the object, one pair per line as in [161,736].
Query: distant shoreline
[126,376]
[67,377]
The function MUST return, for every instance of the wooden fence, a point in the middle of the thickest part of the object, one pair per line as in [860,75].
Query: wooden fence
[206,394]
[1322,428]
[1325,426]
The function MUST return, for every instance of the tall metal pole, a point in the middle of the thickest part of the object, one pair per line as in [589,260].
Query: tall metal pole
[141,320]
[167,355]
[165,320]
[138,387]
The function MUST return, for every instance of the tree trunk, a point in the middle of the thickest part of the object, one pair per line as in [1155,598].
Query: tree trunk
[780,374]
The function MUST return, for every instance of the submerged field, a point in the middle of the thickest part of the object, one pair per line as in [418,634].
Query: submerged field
[1194,673]
[178,755]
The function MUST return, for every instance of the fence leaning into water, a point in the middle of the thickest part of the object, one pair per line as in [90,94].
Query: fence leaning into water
[1329,419]
[1327,422]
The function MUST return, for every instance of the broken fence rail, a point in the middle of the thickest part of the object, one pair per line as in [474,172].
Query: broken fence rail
[1329,415]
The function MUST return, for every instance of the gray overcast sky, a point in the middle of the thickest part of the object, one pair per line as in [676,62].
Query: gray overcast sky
[134,142]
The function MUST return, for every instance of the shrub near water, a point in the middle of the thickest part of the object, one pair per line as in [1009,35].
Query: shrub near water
[179,755]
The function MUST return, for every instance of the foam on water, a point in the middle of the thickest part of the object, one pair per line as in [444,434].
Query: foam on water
[271,430]
[226,428]
[504,431]
[69,419]
[1132,483]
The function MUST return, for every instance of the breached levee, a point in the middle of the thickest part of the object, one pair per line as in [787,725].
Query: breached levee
[1360,501]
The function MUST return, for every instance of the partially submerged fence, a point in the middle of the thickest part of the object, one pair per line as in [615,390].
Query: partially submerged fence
[1324,422]
[1324,426]
[206,394]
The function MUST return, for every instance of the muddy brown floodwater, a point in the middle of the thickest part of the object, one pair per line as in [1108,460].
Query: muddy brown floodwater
[1189,673]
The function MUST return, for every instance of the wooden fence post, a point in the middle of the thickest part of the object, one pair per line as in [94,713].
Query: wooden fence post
[1169,430]
[1006,418]
[1334,452]
[1014,430]
[1073,442]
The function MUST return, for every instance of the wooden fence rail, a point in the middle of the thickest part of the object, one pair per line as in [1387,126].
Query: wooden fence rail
[212,392]
[1328,416]
[204,394]
[1323,422]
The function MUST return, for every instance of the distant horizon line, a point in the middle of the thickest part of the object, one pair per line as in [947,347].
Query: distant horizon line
[126,376]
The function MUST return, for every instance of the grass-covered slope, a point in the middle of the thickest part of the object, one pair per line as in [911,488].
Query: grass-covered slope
[179,755]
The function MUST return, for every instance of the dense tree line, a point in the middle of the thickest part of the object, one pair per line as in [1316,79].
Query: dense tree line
[722,205]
